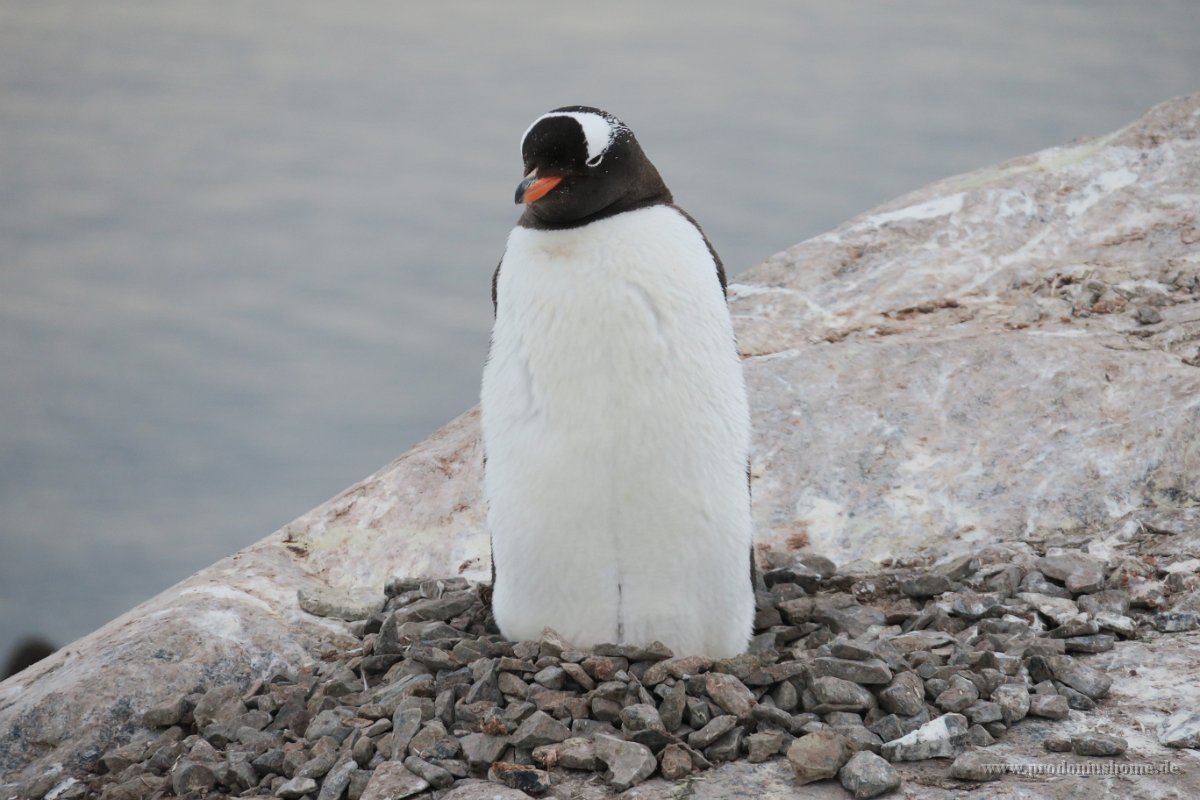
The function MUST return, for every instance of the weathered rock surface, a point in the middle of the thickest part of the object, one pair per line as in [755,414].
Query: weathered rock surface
[967,364]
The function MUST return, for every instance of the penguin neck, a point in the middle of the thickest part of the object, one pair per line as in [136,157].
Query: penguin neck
[660,197]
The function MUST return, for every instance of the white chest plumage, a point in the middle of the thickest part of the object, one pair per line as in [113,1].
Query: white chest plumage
[617,433]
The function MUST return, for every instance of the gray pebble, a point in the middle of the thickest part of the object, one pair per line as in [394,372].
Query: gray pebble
[626,763]
[867,775]
[869,671]
[295,788]
[978,766]
[835,694]
[1049,706]
[1181,729]
[818,756]
[1175,621]
[942,737]
[1057,743]
[714,730]
[1098,744]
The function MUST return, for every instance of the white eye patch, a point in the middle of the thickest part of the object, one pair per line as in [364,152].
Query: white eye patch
[598,132]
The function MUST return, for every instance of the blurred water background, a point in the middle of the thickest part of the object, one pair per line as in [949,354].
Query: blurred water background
[245,247]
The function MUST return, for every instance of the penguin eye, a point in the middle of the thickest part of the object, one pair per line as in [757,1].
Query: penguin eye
[595,160]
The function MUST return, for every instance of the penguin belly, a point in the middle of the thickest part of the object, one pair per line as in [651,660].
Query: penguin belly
[616,432]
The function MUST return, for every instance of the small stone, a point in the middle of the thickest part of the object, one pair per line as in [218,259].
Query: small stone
[433,742]
[1111,601]
[777,717]
[1013,699]
[1147,315]
[434,775]
[391,780]
[859,737]
[698,712]
[1004,580]
[959,568]
[1057,609]
[973,605]
[321,602]
[1181,729]
[928,584]
[958,696]
[855,651]
[1036,582]
[167,714]
[626,763]
[761,746]
[1057,743]
[852,620]
[1147,594]
[575,753]
[295,788]
[553,677]
[740,666]
[715,729]
[671,709]
[641,717]
[1117,623]
[785,696]
[818,756]
[904,696]
[1025,314]
[219,704]
[1049,706]
[982,712]
[192,776]
[318,765]
[871,671]
[978,766]
[1175,621]
[978,736]
[539,728]
[1076,700]
[1080,677]
[405,724]
[867,775]
[843,718]
[728,747]
[675,668]
[604,668]
[730,694]
[1096,643]
[1059,563]
[1079,625]
[893,726]
[512,686]
[675,763]
[1085,581]
[915,641]
[329,723]
[522,777]
[337,780]
[551,643]
[942,737]
[835,694]
[481,750]
[1098,744]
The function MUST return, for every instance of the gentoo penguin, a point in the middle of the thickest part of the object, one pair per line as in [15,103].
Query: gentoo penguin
[616,431]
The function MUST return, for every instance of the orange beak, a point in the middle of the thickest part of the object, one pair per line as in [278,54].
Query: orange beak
[534,188]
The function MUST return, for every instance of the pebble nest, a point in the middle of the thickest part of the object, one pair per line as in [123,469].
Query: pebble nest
[847,674]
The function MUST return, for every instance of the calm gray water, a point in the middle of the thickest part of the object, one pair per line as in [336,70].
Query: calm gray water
[245,247]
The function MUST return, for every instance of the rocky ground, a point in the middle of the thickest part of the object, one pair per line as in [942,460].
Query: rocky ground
[850,677]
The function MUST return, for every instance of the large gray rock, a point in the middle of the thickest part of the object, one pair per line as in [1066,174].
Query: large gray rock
[967,364]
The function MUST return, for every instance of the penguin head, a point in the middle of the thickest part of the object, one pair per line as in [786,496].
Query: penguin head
[583,164]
